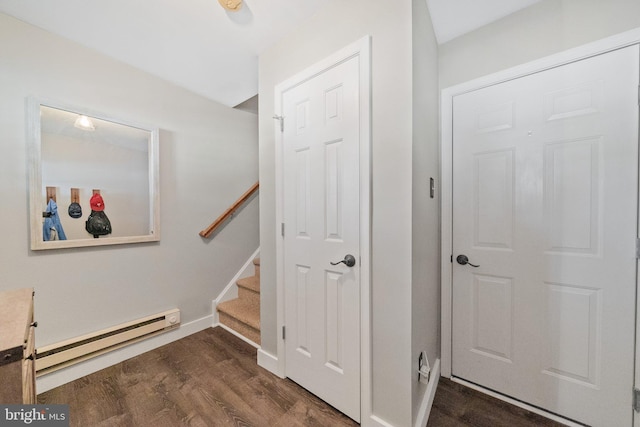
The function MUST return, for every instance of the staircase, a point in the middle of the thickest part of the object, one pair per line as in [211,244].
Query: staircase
[243,313]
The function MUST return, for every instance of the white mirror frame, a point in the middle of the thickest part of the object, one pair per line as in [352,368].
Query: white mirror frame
[36,201]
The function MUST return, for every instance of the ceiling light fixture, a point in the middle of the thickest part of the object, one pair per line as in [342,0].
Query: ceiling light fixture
[84,123]
[231,5]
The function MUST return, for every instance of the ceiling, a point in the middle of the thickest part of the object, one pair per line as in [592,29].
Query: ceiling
[453,18]
[199,46]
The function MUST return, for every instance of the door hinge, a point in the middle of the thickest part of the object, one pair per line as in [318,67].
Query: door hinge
[284,335]
[281,119]
[637,248]
[282,229]
[636,400]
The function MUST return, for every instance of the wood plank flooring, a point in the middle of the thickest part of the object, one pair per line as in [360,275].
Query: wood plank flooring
[457,405]
[206,379]
[211,379]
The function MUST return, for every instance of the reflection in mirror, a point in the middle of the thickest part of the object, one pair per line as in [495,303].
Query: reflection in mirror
[93,179]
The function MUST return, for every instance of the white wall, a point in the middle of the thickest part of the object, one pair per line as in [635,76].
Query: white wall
[208,158]
[548,27]
[390,26]
[425,293]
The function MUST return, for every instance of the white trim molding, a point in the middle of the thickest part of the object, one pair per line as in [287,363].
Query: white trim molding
[237,334]
[362,50]
[429,396]
[269,362]
[376,421]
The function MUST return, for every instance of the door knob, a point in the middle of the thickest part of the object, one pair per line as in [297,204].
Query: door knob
[464,260]
[349,261]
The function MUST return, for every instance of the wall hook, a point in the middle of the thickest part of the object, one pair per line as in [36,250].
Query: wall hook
[51,194]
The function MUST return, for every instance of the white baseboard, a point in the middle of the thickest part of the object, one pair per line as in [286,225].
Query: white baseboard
[55,379]
[429,395]
[231,331]
[425,404]
[375,421]
[269,362]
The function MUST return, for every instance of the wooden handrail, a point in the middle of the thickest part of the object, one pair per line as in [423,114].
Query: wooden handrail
[222,218]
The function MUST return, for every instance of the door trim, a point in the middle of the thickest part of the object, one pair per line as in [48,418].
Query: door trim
[362,50]
[599,47]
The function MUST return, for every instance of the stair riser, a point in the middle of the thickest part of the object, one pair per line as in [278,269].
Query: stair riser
[245,307]
[240,327]
[249,295]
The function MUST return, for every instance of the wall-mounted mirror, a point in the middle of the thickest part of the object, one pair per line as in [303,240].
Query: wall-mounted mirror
[93,179]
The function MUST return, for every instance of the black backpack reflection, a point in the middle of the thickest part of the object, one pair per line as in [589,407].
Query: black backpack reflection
[98,224]
[75,210]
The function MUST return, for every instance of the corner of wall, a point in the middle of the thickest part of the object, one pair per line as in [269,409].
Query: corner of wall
[425,246]
[270,362]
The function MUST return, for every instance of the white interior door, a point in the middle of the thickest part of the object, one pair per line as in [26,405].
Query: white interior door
[321,216]
[545,194]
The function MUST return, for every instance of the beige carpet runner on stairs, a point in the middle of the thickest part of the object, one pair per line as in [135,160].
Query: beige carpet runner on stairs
[243,313]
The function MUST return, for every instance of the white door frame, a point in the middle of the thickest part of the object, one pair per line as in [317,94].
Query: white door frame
[592,49]
[362,50]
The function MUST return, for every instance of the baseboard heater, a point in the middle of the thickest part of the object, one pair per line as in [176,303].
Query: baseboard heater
[60,355]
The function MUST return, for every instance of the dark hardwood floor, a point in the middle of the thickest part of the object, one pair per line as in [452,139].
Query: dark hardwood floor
[211,379]
[206,379]
[457,405]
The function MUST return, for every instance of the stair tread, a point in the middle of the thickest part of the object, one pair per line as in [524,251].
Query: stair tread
[252,283]
[245,311]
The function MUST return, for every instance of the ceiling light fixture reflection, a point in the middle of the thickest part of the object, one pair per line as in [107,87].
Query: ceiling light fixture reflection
[231,5]
[84,123]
